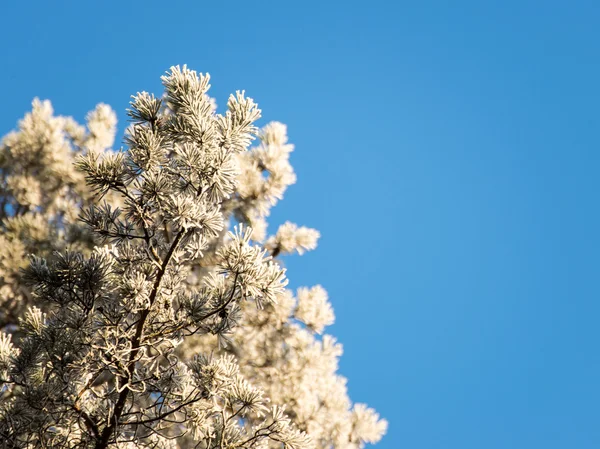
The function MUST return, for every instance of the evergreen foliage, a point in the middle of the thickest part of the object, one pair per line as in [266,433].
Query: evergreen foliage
[142,303]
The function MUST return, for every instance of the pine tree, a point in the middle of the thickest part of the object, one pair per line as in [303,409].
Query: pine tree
[141,301]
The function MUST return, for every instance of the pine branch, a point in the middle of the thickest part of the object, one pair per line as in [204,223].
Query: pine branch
[135,345]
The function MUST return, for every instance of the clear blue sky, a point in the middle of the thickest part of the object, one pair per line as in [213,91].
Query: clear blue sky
[449,153]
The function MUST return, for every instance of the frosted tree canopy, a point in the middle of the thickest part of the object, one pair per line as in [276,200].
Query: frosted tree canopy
[143,303]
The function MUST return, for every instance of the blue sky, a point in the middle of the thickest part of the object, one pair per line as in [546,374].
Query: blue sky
[447,151]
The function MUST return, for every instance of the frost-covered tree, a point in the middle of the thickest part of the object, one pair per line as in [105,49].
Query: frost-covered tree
[142,302]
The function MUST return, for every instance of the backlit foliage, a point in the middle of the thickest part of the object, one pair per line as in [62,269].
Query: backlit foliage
[142,302]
